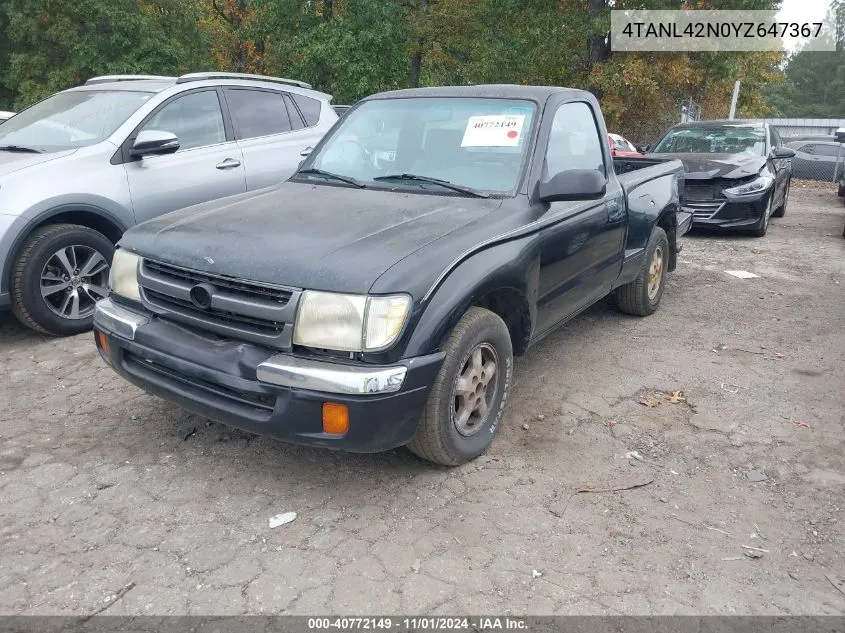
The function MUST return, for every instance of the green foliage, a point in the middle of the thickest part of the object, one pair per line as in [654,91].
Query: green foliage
[352,48]
[814,84]
[54,44]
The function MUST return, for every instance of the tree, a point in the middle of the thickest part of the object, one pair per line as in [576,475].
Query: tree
[54,44]
[814,84]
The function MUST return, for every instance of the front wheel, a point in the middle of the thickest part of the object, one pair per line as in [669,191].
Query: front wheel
[761,230]
[466,401]
[61,272]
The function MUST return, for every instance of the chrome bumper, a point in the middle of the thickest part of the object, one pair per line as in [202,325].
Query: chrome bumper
[117,319]
[302,373]
[281,370]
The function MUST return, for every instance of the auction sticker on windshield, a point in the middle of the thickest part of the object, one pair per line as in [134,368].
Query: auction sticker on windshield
[493,130]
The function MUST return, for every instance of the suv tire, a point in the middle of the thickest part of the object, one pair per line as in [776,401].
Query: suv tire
[60,272]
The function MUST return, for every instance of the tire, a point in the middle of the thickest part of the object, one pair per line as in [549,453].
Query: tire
[46,294]
[443,436]
[764,227]
[641,297]
[781,210]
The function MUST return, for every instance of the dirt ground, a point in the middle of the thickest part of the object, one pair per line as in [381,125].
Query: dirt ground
[100,489]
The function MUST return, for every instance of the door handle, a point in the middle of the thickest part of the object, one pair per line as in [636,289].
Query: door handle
[229,163]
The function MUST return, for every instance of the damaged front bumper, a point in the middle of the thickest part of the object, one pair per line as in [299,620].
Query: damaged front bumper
[262,391]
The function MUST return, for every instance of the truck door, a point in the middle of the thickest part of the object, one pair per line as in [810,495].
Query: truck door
[581,249]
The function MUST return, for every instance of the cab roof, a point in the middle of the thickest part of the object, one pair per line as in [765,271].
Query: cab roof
[496,91]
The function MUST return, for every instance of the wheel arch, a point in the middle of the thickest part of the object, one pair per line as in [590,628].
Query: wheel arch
[503,279]
[89,216]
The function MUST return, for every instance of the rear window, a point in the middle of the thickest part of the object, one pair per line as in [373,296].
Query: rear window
[310,109]
[257,113]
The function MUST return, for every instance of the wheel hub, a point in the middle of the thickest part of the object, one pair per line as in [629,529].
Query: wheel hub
[73,280]
[655,273]
[474,389]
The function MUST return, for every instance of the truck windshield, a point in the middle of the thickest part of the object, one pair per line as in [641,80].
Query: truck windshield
[717,139]
[71,119]
[473,143]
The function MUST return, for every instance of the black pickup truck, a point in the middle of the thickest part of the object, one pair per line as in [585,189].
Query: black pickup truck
[377,298]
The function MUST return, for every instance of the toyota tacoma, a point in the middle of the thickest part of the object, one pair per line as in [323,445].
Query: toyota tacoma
[377,298]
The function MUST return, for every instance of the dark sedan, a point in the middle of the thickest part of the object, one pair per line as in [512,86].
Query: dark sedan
[737,173]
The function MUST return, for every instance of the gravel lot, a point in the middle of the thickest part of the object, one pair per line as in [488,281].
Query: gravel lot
[99,487]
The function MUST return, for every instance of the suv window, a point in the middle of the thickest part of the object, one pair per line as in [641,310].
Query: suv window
[824,149]
[257,113]
[310,109]
[574,140]
[195,119]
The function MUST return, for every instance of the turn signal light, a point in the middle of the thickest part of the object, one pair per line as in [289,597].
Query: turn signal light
[103,342]
[335,418]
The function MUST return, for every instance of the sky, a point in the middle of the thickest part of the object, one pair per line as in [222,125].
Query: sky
[801,11]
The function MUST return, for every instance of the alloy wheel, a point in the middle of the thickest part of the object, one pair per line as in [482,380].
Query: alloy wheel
[73,280]
[474,389]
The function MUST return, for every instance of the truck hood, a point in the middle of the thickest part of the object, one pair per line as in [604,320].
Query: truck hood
[707,166]
[302,235]
[14,161]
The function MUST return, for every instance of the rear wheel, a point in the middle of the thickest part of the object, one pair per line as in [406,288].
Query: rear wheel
[781,210]
[642,296]
[61,272]
[466,401]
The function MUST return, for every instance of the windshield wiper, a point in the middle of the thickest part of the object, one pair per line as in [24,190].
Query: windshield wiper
[20,148]
[322,172]
[437,181]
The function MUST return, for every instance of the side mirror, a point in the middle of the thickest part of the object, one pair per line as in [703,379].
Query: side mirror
[307,151]
[783,152]
[573,184]
[839,135]
[154,143]
[642,149]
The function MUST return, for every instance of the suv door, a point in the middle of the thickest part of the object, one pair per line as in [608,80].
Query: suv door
[581,252]
[270,133]
[207,166]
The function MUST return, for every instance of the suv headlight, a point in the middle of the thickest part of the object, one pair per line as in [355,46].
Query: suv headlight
[755,186]
[123,278]
[349,323]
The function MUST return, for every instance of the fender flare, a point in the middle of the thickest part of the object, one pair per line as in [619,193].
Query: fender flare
[41,218]
[512,267]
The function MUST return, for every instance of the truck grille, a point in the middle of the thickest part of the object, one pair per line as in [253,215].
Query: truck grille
[244,289]
[241,309]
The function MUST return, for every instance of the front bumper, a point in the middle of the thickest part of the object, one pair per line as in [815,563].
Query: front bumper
[741,213]
[253,388]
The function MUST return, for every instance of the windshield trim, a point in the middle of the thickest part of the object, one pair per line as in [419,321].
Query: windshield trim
[519,184]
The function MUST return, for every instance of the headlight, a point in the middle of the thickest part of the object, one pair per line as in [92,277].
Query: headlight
[349,323]
[123,278]
[755,186]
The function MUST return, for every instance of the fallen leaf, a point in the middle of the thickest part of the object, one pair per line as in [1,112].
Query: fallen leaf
[799,423]
[676,397]
[651,403]
[611,424]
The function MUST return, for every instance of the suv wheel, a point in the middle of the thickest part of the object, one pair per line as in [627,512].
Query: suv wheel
[466,401]
[61,272]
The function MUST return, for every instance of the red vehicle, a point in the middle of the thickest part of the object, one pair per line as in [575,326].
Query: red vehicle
[620,147]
